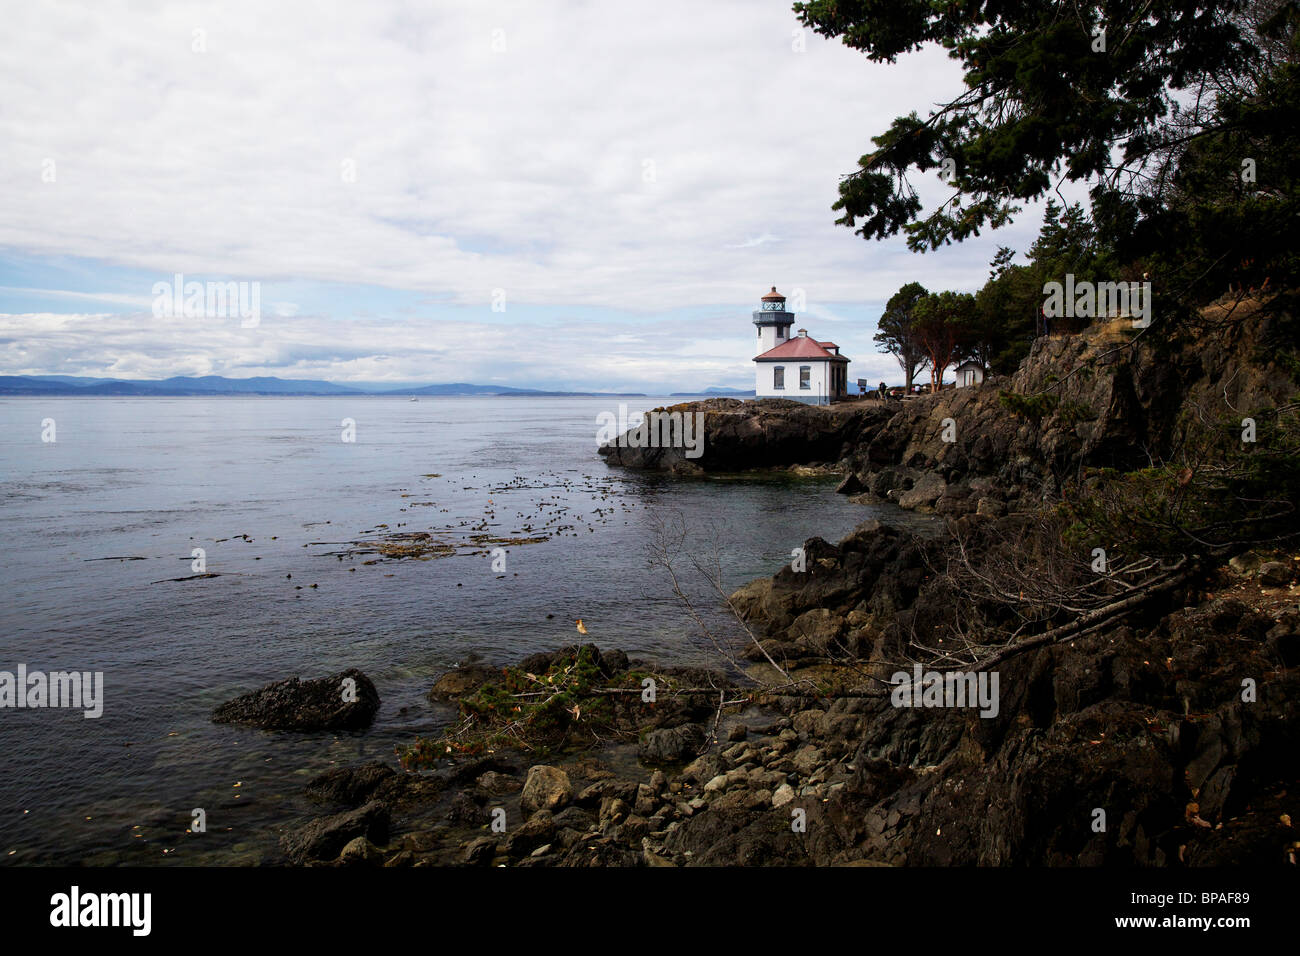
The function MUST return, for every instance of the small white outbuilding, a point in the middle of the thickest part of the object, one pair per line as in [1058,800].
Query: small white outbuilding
[969,373]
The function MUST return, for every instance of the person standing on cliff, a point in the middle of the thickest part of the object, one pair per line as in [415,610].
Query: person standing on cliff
[884,394]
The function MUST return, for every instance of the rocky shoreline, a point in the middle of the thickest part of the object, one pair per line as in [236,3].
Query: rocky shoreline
[1145,723]
[1144,716]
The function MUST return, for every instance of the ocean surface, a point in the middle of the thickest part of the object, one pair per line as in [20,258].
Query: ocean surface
[98,524]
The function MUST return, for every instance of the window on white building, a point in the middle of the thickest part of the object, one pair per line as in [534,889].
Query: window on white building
[778,376]
[805,376]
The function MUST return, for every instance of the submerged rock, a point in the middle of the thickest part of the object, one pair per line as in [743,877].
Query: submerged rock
[343,701]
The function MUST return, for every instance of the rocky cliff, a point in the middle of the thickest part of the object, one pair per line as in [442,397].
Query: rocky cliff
[1100,398]
[748,435]
[1092,400]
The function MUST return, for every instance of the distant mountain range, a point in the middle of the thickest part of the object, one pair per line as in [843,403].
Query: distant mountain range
[717,390]
[266,385]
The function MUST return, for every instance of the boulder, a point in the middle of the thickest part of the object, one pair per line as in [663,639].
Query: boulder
[613,662]
[547,788]
[480,851]
[671,744]
[818,630]
[1246,563]
[343,701]
[1275,574]
[924,493]
[462,681]
[324,838]
[361,852]
[536,831]
[597,793]
[807,759]
[613,811]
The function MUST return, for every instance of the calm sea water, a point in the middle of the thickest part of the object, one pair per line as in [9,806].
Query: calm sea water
[152,479]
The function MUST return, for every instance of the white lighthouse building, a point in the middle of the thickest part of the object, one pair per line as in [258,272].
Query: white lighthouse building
[795,366]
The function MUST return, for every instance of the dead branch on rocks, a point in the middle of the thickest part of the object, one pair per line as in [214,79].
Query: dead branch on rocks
[668,536]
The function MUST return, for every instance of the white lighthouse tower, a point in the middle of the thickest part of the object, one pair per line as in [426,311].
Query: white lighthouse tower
[773,322]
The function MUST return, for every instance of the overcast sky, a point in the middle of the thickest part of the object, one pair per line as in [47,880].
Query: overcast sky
[622,181]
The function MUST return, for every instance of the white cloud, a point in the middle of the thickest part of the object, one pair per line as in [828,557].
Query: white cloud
[114,297]
[571,355]
[632,158]
[756,241]
[524,169]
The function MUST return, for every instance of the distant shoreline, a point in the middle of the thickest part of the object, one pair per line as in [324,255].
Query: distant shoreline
[271,387]
[398,396]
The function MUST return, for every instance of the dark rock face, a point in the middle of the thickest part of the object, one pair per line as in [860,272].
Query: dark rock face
[1111,405]
[1146,724]
[343,701]
[1163,778]
[738,838]
[767,433]
[350,786]
[1093,760]
[325,838]
[840,604]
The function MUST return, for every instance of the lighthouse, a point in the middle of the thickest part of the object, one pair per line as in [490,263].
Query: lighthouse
[773,321]
[799,367]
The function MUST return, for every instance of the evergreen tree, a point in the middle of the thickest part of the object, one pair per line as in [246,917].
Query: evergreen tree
[897,335]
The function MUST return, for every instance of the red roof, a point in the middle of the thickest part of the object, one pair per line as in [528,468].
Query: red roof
[828,345]
[799,347]
[774,294]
